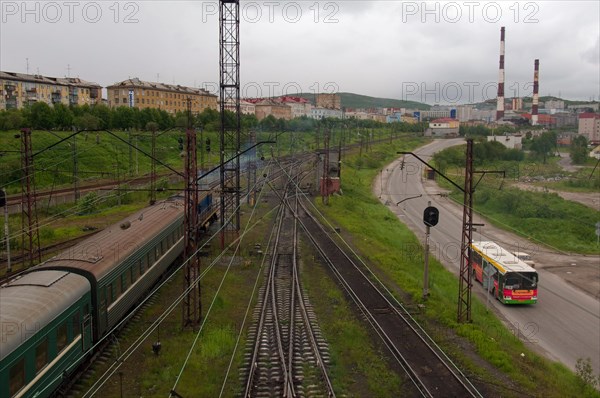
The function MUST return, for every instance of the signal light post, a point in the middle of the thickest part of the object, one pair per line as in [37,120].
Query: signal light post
[431,217]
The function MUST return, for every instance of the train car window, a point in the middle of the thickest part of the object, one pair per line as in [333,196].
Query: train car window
[86,309]
[41,355]
[169,241]
[150,259]
[61,337]
[16,377]
[134,270]
[76,325]
[127,279]
[109,294]
[142,266]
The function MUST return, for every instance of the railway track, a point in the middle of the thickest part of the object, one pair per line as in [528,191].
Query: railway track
[431,372]
[286,355]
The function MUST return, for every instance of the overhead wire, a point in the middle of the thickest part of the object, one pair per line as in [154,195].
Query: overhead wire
[237,247]
[104,378]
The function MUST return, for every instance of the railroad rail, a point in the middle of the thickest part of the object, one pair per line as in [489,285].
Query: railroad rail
[429,369]
[287,355]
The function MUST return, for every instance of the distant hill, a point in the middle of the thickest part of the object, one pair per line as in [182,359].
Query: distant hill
[350,100]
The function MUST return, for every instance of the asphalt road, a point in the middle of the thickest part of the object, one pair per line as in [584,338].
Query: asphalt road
[564,325]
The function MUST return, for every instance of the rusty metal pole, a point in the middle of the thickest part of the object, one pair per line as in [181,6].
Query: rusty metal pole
[465,281]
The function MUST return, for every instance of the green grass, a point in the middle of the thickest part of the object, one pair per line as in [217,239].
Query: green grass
[99,156]
[545,218]
[394,250]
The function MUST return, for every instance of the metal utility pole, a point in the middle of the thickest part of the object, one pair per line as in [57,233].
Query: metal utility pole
[192,305]
[325,180]
[153,167]
[6,233]
[75,168]
[229,84]
[30,236]
[252,171]
[465,282]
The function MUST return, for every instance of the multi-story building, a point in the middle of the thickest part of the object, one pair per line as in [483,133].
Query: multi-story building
[269,106]
[20,89]
[300,106]
[554,106]
[321,113]
[589,126]
[247,107]
[590,106]
[136,93]
[443,127]
[328,101]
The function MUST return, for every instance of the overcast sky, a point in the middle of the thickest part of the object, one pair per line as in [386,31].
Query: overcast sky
[434,52]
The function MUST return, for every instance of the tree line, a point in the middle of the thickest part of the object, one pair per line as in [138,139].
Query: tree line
[42,116]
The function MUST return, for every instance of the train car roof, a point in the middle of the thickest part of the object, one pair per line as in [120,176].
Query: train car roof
[98,254]
[30,302]
[507,261]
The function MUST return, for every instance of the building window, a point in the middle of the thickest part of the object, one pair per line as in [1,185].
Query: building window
[16,377]
[61,337]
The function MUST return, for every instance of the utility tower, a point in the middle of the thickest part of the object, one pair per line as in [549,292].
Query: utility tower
[465,281]
[192,306]
[229,84]
[251,194]
[30,236]
[325,181]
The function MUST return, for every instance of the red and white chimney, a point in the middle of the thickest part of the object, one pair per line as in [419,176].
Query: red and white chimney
[536,86]
[500,105]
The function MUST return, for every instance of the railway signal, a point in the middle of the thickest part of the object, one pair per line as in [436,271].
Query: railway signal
[431,216]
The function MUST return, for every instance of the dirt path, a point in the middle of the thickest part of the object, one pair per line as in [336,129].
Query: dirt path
[588,199]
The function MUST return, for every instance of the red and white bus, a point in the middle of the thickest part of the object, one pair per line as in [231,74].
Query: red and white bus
[503,274]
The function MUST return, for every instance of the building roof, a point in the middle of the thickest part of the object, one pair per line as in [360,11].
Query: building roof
[63,81]
[137,83]
[444,120]
[291,99]
[588,115]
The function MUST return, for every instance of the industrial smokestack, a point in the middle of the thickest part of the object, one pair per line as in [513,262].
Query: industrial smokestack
[500,105]
[534,105]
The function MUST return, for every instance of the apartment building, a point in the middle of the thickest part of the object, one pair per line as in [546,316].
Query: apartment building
[299,106]
[136,93]
[589,126]
[328,101]
[269,106]
[20,89]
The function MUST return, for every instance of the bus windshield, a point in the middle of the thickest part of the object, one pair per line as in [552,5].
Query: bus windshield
[521,280]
